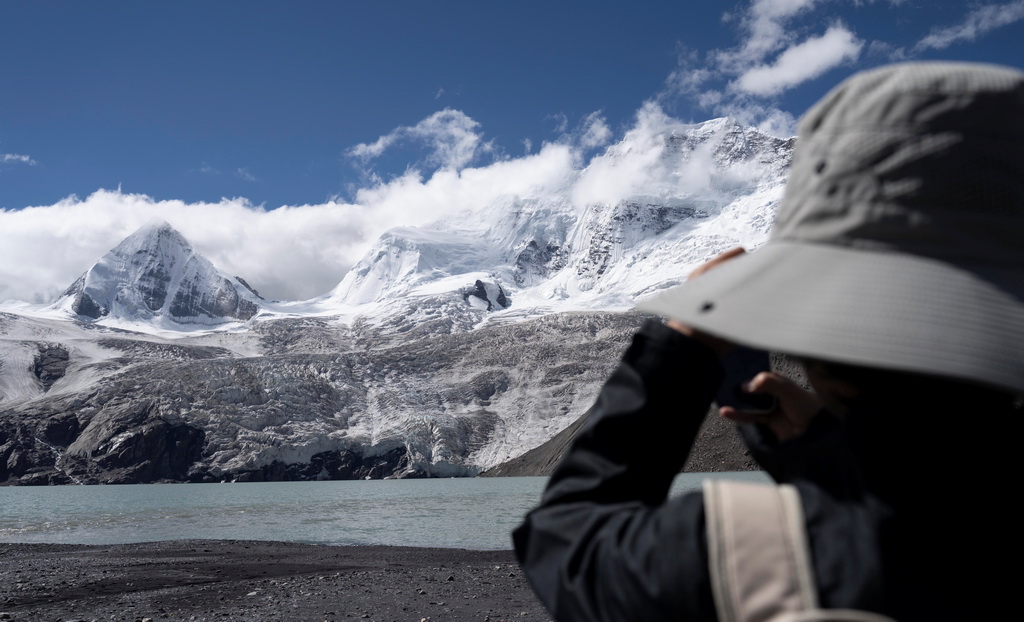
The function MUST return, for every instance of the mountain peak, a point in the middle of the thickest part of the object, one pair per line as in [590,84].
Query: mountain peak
[155,235]
[154,273]
[156,227]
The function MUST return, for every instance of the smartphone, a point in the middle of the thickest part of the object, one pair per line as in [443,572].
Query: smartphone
[741,365]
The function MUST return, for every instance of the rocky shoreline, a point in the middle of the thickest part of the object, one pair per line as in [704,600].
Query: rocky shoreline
[253,580]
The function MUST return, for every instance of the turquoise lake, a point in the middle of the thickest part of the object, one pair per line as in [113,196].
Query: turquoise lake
[471,513]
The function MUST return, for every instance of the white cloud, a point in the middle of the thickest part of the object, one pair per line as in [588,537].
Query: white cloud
[766,29]
[243,173]
[610,177]
[886,50]
[749,111]
[780,45]
[240,172]
[978,22]
[691,73]
[776,122]
[16,158]
[412,200]
[299,252]
[452,137]
[561,122]
[595,131]
[801,62]
[769,58]
[368,151]
[636,166]
[290,252]
[591,132]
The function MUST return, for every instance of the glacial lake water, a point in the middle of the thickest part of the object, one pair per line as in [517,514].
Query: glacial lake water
[471,513]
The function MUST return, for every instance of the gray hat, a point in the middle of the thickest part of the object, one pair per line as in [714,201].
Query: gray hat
[899,243]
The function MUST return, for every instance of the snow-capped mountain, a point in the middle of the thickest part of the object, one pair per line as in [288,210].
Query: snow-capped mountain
[712,186]
[447,349]
[154,275]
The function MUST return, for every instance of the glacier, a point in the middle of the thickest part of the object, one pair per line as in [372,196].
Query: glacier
[446,350]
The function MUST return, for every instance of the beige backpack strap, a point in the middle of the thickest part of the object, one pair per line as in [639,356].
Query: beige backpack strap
[833,615]
[759,556]
[757,550]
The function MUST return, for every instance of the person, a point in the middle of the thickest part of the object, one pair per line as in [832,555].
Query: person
[893,272]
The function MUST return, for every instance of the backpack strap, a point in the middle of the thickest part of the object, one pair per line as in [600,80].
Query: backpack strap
[757,550]
[759,556]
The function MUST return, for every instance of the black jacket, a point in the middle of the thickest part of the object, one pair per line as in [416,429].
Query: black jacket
[606,544]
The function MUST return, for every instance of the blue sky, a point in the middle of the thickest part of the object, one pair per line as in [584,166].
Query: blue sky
[228,110]
[199,100]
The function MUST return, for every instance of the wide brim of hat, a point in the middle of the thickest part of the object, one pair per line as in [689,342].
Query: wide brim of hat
[886,310]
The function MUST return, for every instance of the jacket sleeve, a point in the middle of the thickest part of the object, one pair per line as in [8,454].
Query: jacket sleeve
[605,542]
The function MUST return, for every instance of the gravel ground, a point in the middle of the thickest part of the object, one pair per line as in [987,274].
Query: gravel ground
[232,580]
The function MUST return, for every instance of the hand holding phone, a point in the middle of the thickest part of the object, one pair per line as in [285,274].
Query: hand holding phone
[777,402]
[741,364]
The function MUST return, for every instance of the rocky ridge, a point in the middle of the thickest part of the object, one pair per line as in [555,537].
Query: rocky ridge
[441,405]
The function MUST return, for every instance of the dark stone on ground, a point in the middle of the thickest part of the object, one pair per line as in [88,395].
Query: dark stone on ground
[217,580]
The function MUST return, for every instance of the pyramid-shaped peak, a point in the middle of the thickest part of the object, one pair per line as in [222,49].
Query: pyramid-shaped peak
[155,273]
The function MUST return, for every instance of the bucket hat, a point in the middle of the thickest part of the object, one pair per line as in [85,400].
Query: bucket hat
[899,241]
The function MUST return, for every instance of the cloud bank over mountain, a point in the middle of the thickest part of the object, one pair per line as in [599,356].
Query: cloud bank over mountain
[301,251]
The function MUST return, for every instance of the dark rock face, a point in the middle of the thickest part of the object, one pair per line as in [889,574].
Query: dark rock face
[192,300]
[85,306]
[490,293]
[153,452]
[61,430]
[247,286]
[655,218]
[124,445]
[338,465]
[153,283]
[26,459]
[50,364]
[626,220]
[535,263]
